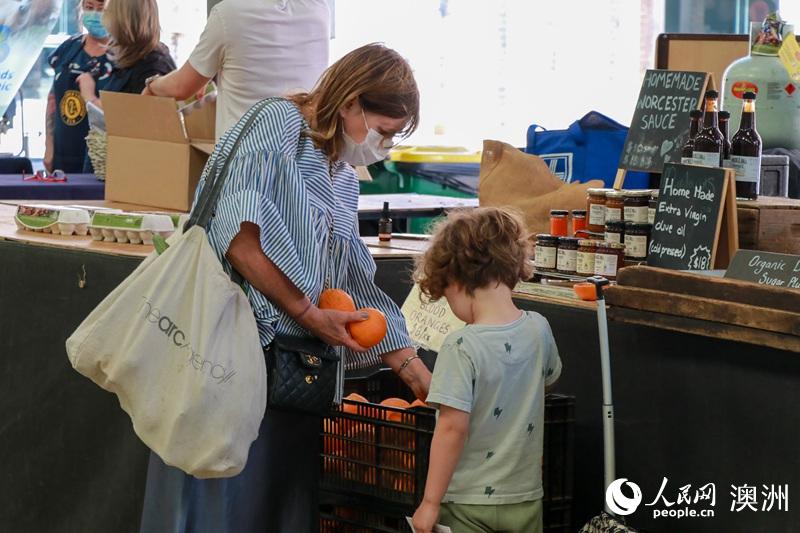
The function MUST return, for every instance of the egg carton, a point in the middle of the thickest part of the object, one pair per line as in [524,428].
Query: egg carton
[55,219]
[136,228]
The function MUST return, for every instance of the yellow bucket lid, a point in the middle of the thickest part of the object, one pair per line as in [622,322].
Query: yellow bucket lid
[434,154]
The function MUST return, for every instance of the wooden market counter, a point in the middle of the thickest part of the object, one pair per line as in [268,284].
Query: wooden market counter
[690,407]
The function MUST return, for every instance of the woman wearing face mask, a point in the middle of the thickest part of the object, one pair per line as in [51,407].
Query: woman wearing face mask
[134,47]
[287,222]
[66,119]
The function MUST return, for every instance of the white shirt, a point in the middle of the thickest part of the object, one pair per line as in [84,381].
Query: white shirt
[261,49]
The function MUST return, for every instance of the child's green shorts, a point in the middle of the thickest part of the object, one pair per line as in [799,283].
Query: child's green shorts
[525,517]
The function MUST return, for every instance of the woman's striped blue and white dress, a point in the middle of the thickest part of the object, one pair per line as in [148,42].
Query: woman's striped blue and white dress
[307,212]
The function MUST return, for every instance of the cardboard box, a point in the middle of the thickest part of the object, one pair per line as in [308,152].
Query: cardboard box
[155,155]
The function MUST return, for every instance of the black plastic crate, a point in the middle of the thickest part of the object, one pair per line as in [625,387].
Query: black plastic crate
[377,456]
[558,463]
[349,519]
[377,451]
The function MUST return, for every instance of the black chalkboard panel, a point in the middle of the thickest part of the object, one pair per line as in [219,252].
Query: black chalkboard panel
[660,124]
[766,268]
[689,215]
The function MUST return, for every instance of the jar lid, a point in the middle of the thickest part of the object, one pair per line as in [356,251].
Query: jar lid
[546,237]
[568,241]
[615,194]
[638,193]
[615,225]
[654,193]
[637,226]
[558,212]
[587,242]
[596,191]
[579,212]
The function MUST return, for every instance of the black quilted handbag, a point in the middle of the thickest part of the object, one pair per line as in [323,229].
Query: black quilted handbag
[301,375]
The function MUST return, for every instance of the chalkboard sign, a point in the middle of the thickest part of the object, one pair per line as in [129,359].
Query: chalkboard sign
[660,124]
[694,204]
[766,268]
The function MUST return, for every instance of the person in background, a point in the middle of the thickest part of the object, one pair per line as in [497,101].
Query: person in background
[255,50]
[66,116]
[488,383]
[134,48]
[287,221]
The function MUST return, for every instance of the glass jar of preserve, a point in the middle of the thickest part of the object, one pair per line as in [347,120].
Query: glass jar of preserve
[615,231]
[615,204]
[637,204]
[584,265]
[637,241]
[651,209]
[578,220]
[596,209]
[567,262]
[558,222]
[609,257]
[546,252]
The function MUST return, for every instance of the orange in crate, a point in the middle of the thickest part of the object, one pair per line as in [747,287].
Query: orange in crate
[336,299]
[398,403]
[369,332]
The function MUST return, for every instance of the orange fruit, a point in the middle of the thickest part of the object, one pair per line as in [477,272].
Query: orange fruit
[336,299]
[418,403]
[371,331]
[354,397]
[393,416]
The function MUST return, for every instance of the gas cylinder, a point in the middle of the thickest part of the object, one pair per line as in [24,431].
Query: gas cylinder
[778,102]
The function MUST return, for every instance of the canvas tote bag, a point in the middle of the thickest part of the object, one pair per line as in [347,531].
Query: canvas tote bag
[177,343]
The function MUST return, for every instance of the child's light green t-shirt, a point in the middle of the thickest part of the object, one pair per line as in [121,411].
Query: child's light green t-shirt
[498,375]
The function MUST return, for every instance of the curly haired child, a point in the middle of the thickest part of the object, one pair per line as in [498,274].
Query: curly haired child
[489,379]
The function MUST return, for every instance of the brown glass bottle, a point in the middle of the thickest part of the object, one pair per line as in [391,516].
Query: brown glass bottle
[724,117]
[708,142]
[746,151]
[688,146]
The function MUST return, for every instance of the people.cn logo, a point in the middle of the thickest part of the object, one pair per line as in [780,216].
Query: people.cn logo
[620,504]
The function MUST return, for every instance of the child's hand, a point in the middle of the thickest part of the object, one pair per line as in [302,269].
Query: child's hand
[425,517]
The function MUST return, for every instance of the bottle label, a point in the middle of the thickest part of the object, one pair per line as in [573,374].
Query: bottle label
[614,237]
[636,214]
[613,213]
[567,260]
[605,265]
[636,246]
[651,215]
[688,161]
[545,257]
[597,214]
[708,159]
[585,262]
[748,168]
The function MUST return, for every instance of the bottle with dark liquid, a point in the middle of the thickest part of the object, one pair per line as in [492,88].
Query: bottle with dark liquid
[708,144]
[724,117]
[385,224]
[746,151]
[688,146]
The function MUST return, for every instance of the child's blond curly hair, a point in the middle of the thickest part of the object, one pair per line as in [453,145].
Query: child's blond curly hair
[475,248]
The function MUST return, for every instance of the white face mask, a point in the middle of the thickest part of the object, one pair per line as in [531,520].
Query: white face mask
[373,149]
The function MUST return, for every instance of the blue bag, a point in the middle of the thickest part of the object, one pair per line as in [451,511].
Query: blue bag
[589,149]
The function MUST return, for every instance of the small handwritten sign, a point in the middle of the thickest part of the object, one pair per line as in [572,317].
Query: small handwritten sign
[429,322]
[766,268]
[686,229]
[660,124]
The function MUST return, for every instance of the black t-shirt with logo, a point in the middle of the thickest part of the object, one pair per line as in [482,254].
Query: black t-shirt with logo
[69,61]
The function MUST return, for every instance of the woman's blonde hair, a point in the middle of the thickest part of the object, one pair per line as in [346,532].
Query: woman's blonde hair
[134,28]
[378,77]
